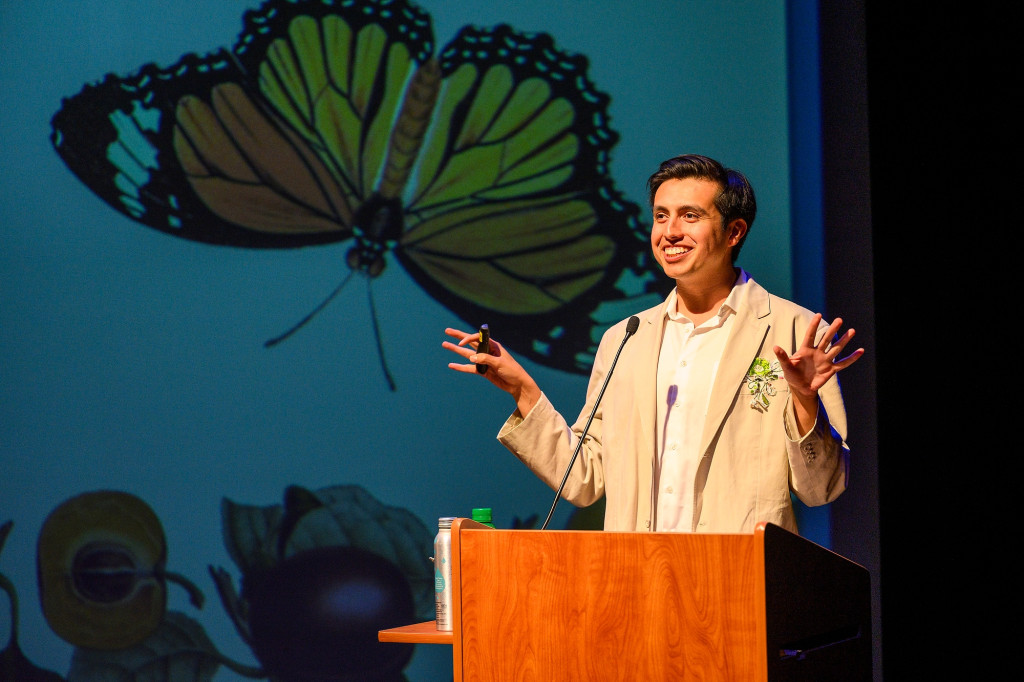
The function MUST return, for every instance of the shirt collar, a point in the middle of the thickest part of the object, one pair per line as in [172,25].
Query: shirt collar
[730,304]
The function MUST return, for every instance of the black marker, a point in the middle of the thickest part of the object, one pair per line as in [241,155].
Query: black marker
[484,346]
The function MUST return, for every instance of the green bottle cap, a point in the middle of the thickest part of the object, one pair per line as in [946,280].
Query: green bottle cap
[482,515]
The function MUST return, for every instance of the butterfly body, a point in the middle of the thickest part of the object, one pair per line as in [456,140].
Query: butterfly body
[383,221]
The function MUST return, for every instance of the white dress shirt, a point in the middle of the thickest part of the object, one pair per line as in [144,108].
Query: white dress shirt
[687,366]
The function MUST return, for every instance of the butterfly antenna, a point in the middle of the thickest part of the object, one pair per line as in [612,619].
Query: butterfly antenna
[376,337]
[302,323]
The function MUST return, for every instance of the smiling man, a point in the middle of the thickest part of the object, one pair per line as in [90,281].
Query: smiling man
[724,403]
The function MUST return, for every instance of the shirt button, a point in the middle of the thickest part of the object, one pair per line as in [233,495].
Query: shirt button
[669,489]
[683,363]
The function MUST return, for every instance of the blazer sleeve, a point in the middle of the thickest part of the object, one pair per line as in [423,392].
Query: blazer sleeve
[819,461]
[544,441]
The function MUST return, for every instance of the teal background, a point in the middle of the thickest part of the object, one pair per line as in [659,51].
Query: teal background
[134,360]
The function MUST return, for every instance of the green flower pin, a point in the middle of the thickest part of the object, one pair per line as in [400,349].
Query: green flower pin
[759,380]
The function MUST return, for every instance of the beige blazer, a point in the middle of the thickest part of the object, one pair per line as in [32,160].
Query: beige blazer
[750,463]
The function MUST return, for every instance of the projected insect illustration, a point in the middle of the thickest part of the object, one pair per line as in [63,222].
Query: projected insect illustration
[483,170]
[320,573]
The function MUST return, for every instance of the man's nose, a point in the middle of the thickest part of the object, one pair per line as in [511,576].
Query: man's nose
[675,227]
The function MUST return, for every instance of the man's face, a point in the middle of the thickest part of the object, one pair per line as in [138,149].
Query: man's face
[686,233]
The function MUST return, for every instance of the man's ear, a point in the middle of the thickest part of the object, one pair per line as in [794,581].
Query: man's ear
[736,230]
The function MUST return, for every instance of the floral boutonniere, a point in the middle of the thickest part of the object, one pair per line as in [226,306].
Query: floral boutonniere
[759,381]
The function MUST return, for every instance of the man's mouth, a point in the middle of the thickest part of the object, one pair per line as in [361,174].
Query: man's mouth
[677,250]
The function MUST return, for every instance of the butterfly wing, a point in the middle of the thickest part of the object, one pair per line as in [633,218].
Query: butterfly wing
[275,143]
[309,131]
[511,215]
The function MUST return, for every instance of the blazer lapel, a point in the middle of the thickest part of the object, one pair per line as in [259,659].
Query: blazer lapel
[745,341]
[652,322]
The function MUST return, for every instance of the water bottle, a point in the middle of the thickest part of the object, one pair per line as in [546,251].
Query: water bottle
[443,574]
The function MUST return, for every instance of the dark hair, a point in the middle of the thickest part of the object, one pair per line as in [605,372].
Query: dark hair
[735,198]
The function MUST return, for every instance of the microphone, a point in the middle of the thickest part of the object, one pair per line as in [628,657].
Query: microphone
[631,326]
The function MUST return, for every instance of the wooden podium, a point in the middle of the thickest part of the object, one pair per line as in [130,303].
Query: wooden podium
[599,605]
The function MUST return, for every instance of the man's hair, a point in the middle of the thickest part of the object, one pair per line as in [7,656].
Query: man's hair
[735,198]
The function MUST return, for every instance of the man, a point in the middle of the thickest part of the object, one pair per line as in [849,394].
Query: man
[724,401]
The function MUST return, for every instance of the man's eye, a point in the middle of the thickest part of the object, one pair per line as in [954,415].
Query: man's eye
[691,217]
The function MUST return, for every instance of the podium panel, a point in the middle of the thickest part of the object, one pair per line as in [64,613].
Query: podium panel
[818,612]
[605,606]
[593,605]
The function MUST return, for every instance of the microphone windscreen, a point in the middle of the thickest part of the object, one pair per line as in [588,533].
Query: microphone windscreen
[632,325]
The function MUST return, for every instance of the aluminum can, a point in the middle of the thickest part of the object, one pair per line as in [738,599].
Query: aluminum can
[443,573]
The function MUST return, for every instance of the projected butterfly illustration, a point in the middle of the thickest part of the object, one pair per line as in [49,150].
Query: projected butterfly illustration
[483,170]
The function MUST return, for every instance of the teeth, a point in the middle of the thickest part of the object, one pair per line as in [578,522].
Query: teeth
[673,250]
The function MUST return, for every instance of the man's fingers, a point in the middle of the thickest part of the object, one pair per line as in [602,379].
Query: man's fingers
[812,330]
[462,336]
[827,339]
[837,343]
[849,359]
[461,350]
[460,367]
